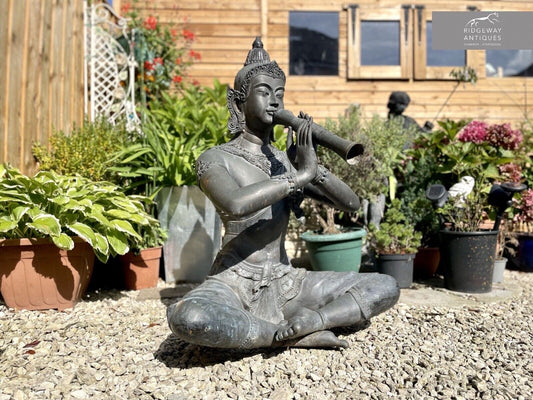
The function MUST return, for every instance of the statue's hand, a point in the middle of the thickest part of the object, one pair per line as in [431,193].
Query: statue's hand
[306,159]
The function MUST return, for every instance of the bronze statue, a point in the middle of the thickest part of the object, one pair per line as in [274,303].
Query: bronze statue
[398,102]
[254,297]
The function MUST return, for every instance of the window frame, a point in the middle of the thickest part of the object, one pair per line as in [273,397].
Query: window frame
[354,68]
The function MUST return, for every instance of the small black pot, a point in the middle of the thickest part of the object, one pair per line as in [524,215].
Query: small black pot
[399,266]
[468,260]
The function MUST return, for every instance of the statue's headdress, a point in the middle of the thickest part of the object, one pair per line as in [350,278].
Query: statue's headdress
[257,62]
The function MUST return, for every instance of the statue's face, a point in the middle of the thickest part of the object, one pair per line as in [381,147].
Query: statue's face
[264,98]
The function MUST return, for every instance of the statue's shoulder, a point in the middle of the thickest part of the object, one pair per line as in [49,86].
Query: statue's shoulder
[215,156]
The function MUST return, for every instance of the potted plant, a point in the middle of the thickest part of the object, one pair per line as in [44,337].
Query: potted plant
[73,219]
[396,243]
[160,163]
[371,176]
[523,225]
[140,265]
[467,252]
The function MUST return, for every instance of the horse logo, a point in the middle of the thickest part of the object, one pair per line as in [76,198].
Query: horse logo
[492,18]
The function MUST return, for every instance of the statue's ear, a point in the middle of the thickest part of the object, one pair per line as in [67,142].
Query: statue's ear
[236,117]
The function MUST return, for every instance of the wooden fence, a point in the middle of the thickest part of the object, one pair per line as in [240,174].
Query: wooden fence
[41,74]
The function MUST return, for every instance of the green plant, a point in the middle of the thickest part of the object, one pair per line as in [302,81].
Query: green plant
[176,130]
[465,213]
[84,151]
[58,207]
[162,53]
[395,234]
[373,172]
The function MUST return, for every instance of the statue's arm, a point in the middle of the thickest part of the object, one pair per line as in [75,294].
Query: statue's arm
[329,189]
[239,201]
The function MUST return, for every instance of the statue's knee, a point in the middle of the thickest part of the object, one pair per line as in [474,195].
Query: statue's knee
[391,291]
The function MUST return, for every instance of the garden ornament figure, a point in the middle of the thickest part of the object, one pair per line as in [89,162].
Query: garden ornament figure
[253,297]
[398,102]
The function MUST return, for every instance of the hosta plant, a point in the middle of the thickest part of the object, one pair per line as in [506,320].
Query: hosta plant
[59,207]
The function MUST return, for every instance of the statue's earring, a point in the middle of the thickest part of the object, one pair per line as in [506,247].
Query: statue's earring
[236,118]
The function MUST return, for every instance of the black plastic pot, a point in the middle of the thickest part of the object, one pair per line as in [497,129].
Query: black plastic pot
[399,266]
[468,260]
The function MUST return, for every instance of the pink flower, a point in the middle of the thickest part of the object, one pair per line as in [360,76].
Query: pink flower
[511,172]
[475,132]
[150,23]
[525,206]
[503,136]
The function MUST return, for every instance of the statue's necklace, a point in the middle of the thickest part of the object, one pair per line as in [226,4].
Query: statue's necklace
[269,163]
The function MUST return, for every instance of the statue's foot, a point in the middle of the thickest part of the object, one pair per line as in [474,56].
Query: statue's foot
[320,339]
[301,324]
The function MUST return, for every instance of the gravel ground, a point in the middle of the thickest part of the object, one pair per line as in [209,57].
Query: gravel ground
[117,345]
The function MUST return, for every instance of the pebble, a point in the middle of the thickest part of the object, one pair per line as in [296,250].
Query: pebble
[114,345]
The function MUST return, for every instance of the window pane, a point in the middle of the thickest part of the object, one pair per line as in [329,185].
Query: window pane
[380,42]
[442,58]
[313,43]
[509,62]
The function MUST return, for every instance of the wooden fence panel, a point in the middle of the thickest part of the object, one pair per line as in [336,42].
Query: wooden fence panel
[41,78]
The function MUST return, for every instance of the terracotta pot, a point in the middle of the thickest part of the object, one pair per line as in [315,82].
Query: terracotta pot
[426,262]
[36,275]
[141,270]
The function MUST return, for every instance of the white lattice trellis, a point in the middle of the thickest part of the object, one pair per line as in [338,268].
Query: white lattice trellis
[109,68]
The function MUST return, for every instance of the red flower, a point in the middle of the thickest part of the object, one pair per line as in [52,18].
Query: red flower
[177,79]
[188,35]
[150,23]
[148,66]
[158,60]
[125,8]
[195,82]
[195,55]
[174,33]
[178,61]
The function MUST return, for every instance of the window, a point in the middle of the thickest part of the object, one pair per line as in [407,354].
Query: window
[378,45]
[442,58]
[500,63]
[380,42]
[313,43]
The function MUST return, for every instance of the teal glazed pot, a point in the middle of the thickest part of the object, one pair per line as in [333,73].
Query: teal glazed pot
[468,260]
[336,252]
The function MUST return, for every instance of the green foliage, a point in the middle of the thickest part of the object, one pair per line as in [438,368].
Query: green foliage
[465,74]
[395,234]
[85,151]
[175,131]
[58,207]
[465,214]
[384,142]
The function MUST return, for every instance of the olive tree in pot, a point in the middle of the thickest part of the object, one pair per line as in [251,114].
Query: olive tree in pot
[396,243]
[51,227]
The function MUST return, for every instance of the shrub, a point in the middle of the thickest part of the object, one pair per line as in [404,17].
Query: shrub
[85,151]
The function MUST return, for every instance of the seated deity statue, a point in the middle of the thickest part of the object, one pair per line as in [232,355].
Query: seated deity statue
[253,296]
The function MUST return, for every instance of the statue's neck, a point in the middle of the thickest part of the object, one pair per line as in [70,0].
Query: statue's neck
[252,141]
